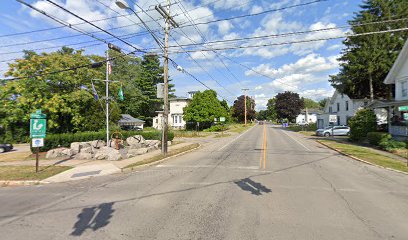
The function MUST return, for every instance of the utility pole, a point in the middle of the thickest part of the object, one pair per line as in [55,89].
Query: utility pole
[245,96]
[166,83]
[107,96]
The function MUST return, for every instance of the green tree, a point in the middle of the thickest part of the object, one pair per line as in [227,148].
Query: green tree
[271,111]
[203,108]
[322,103]
[288,105]
[362,123]
[262,115]
[66,97]
[367,59]
[238,109]
[310,103]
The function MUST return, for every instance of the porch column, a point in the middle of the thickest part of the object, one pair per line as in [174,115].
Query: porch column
[389,118]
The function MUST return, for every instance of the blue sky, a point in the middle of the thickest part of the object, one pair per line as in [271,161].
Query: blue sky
[302,67]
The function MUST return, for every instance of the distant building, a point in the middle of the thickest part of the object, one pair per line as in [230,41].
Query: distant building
[176,114]
[129,122]
[308,116]
[345,108]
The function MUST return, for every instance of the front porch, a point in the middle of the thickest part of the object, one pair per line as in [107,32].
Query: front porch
[397,117]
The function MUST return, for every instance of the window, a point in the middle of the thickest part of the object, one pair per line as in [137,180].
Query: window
[179,119]
[175,119]
[330,109]
[338,107]
[404,89]
[347,105]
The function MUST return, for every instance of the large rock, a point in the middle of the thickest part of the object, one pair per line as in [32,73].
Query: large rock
[139,151]
[54,153]
[83,156]
[68,152]
[75,147]
[135,146]
[152,143]
[98,144]
[108,153]
[86,150]
[135,140]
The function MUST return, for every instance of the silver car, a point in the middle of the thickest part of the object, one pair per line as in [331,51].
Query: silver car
[335,131]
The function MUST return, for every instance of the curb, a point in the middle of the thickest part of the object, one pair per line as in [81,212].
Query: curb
[127,170]
[12,183]
[358,159]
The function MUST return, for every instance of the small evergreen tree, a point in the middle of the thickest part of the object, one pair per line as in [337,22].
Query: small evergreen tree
[362,123]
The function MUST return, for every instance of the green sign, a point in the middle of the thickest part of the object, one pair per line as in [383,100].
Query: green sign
[406,116]
[38,128]
[38,125]
[222,119]
[403,108]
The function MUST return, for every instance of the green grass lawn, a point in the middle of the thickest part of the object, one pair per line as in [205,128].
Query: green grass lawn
[221,135]
[190,134]
[160,157]
[367,154]
[9,173]
[239,128]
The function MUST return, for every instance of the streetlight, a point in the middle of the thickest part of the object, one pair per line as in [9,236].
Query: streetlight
[122,5]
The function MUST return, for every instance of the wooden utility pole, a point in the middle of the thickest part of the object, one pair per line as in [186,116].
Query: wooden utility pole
[245,96]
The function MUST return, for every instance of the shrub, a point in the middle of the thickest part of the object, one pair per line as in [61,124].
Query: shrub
[391,144]
[362,123]
[65,139]
[216,128]
[374,138]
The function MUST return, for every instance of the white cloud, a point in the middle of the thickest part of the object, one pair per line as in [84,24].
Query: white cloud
[256,9]
[334,47]
[311,63]
[224,27]
[228,4]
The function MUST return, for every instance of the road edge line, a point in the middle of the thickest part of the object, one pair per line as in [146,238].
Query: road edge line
[359,159]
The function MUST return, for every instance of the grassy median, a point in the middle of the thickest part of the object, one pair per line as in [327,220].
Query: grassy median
[12,173]
[366,154]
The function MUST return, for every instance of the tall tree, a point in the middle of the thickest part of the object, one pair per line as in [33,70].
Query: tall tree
[203,108]
[288,105]
[271,110]
[262,115]
[310,103]
[238,109]
[366,60]
[322,103]
[66,96]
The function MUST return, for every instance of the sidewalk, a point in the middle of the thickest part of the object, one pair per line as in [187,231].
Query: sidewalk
[83,169]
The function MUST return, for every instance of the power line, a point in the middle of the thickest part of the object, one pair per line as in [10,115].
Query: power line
[74,24]
[252,14]
[294,42]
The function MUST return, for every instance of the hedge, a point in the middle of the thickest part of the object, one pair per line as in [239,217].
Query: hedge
[65,139]
[374,138]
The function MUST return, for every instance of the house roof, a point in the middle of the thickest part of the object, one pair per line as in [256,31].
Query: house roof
[386,103]
[396,67]
[128,119]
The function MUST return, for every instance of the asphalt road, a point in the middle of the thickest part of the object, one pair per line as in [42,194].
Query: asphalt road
[219,192]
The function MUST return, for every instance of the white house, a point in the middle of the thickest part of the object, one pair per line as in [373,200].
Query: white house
[307,116]
[176,113]
[397,109]
[342,106]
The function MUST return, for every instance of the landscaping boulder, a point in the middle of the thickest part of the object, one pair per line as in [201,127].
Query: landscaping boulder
[135,146]
[98,144]
[135,152]
[86,150]
[83,156]
[68,152]
[108,153]
[134,140]
[84,145]
[168,143]
[75,147]
[152,143]
[54,153]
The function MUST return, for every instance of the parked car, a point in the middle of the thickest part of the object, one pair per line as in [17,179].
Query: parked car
[336,131]
[5,147]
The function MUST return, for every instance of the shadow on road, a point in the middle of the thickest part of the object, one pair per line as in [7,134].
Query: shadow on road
[255,188]
[86,219]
